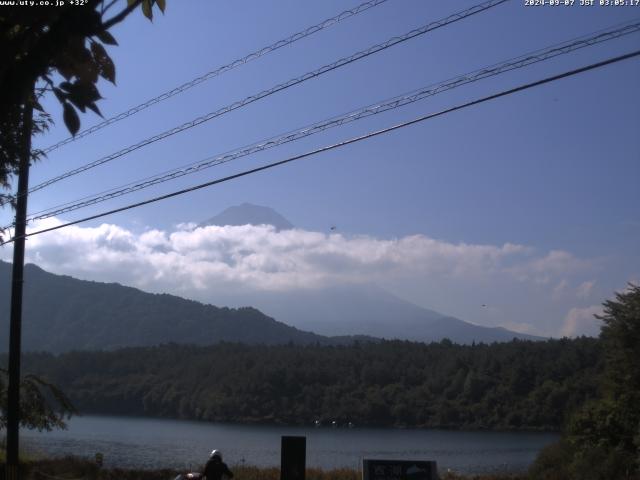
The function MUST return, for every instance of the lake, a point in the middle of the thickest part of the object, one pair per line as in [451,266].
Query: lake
[149,443]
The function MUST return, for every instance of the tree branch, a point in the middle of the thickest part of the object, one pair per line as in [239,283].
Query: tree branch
[111,4]
[121,16]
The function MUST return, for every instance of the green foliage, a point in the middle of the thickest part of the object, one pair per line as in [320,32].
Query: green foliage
[602,440]
[43,406]
[607,429]
[552,463]
[385,384]
[39,43]
[603,424]
[65,40]
[621,339]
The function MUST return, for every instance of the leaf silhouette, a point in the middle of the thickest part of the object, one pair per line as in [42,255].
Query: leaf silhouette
[71,119]
[106,38]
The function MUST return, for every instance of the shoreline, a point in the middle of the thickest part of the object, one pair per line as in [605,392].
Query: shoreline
[146,442]
[324,426]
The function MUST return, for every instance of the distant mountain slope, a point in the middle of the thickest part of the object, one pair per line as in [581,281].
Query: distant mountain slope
[348,310]
[353,310]
[62,313]
[249,214]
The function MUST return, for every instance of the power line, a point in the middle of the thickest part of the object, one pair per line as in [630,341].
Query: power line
[282,86]
[374,109]
[219,71]
[503,93]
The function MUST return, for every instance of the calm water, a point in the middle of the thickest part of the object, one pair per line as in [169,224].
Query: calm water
[147,443]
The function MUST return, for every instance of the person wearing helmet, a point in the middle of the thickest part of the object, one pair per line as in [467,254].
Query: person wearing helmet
[215,468]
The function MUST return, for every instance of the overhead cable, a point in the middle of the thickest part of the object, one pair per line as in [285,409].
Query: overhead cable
[282,86]
[423,118]
[219,71]
[373,109]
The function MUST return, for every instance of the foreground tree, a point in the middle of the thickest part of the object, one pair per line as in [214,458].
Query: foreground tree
[44,406]
[602,439]
[621,338]
[40,42]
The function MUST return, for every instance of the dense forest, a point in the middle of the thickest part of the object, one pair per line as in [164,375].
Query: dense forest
[516,385]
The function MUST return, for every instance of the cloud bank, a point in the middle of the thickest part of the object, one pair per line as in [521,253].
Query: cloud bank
[207,263]
[582,321]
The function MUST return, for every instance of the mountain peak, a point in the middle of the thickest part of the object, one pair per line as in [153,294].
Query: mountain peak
[249,214]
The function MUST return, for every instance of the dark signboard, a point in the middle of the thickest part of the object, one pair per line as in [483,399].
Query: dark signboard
[293,458]
[399,470]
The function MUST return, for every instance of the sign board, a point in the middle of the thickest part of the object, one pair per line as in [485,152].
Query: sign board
[399,470]
[293,458]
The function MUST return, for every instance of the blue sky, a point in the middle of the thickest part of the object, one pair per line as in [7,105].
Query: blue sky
[554,169]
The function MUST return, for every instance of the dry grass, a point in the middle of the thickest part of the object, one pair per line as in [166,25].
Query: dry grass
[455,476]
[73,468]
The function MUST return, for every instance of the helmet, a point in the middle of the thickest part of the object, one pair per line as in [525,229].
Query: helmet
[216,453]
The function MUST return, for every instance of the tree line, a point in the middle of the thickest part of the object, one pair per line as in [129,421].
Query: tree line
[514,385]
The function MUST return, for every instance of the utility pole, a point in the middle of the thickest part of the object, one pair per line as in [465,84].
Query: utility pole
[15,329]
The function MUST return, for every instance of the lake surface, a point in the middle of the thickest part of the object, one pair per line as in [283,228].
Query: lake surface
[149,443]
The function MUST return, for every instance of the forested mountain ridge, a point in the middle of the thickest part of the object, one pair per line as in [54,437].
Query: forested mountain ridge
[516,385]
[61,313]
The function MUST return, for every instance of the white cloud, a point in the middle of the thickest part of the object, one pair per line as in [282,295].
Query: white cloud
[585,288]
[258,256]
[186,226]
[581,321]
[543,270]
[521,327]
[213,263]
[560,289]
